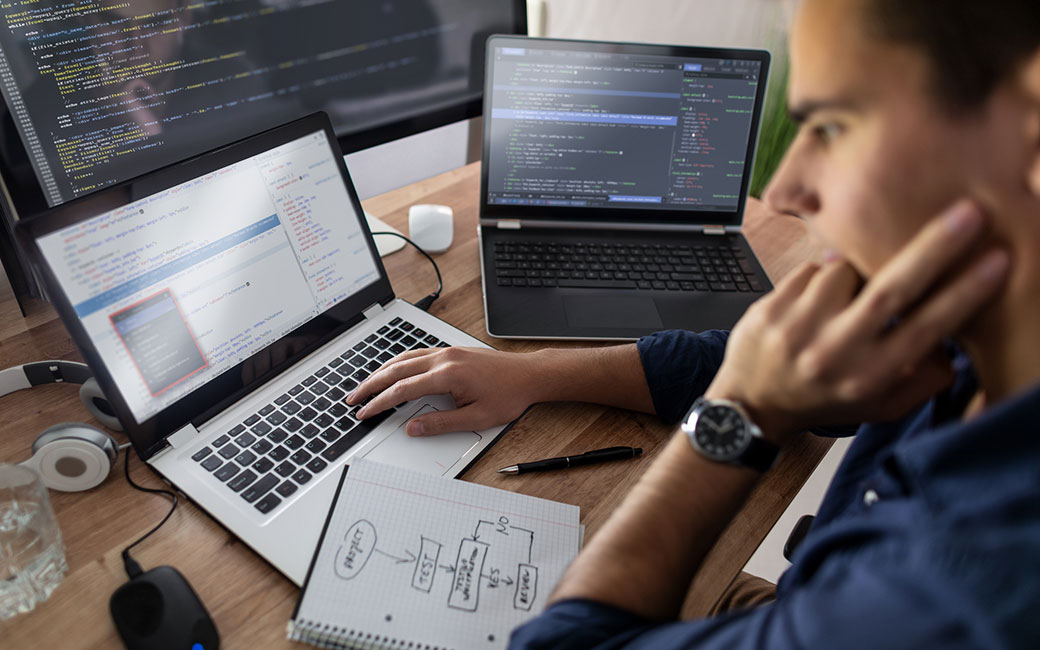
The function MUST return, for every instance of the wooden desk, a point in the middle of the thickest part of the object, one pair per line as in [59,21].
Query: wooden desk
[249,601]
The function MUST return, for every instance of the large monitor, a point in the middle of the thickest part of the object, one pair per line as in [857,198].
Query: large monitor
[98,91]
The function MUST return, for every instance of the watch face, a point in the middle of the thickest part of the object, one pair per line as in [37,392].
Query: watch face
[721,432]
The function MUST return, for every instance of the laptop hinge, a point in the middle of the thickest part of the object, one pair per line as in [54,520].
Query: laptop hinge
[182,436]
[373,311]
[508,224]
[714,230]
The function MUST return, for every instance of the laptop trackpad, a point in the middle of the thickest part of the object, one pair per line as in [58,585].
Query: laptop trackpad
[427,454]
[612,311]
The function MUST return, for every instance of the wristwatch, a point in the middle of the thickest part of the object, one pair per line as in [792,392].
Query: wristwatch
[720,430]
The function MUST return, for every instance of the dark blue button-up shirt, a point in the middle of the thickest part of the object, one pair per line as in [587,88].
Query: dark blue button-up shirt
[928,537]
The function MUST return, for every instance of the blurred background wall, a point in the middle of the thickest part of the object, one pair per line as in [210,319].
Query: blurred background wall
[741,23]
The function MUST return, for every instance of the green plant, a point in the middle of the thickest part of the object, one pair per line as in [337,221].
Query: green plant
[778,129]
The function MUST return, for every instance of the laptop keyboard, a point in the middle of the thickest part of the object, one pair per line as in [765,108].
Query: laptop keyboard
[661,267]
[267,456]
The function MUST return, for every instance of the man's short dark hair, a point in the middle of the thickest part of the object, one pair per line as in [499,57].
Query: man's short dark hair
[973,45]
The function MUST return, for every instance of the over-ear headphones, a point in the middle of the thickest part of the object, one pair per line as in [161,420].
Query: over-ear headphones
[70,456]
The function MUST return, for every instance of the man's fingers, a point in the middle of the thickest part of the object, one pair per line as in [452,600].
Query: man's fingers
[413,386]
[407,356]
[778,302]
[467,418]
[922,330]
[906,278]
[948,310]
[795,282]
[832,289]
[828,292]
[390,373]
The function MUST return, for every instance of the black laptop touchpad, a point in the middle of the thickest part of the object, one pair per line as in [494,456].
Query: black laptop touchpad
[612,311]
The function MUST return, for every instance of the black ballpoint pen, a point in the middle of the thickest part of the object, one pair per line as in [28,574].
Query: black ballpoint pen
[588,458]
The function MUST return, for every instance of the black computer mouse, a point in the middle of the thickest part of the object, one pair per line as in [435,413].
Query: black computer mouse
[158,610]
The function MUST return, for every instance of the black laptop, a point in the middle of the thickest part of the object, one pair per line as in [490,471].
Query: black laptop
[613,187]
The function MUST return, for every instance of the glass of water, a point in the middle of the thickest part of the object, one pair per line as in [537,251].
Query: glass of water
[32,556]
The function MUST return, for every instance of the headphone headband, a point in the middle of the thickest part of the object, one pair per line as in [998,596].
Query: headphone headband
[58,371]
[69,456]
[43,372]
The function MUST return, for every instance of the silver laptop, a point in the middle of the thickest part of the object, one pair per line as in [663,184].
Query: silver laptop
[227,305]
[613,187]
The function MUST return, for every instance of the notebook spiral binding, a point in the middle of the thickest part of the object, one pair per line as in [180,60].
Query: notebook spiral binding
[330,636]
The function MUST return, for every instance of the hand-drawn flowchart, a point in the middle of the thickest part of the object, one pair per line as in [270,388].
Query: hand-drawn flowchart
[496,558]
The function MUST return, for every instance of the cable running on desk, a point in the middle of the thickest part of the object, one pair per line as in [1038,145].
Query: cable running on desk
[426,302]
[133,569]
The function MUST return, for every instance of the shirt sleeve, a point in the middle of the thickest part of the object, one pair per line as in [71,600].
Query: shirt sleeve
[679,366]
[853,607]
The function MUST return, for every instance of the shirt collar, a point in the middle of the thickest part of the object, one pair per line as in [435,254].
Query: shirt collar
[999,449]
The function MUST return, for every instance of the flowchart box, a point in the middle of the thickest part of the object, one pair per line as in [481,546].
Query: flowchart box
[526,586]
[426,565]
[465,587]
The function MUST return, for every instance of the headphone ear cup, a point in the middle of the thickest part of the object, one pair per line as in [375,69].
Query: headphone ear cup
[71,456]
[92,397]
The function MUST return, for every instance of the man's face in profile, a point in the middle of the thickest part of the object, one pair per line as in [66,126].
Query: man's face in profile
[878,154]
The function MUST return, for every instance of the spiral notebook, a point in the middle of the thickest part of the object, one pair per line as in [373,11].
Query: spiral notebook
[408,560]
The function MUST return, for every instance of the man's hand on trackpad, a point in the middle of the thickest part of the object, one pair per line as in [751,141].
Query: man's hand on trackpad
[488,387]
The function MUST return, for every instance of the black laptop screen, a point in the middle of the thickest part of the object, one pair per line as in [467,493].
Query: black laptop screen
[626,128]
[181,285]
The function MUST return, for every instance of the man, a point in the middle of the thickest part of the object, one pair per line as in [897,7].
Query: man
[929,535]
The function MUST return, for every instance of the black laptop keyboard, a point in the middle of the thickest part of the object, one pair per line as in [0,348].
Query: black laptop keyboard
[661,267]
[285,444]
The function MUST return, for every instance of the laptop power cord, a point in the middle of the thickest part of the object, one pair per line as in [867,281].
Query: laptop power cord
[426,302]
[133,569]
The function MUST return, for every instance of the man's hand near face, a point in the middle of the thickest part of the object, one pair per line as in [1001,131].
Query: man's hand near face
[825,348]
[822,348]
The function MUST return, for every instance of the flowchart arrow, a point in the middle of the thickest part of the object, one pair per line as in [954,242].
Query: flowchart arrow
[476,531]
[399,560]
[493,582]
[530,544]
[447,567]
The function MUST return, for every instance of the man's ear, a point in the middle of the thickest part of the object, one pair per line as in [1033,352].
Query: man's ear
[1031,82]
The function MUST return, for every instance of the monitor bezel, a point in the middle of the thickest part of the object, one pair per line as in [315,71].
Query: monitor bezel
[208,400]
[456,112]
[599,214]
